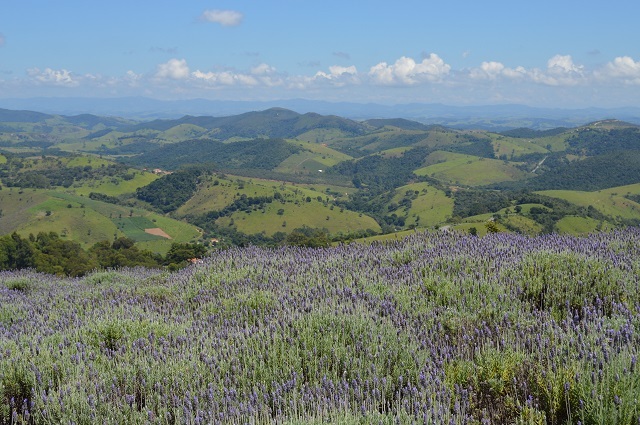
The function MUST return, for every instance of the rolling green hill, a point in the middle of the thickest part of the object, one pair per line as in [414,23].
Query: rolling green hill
[469,170]
[262,169]
[87,221]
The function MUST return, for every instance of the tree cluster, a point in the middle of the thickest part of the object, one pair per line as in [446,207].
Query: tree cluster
[49,253]
[169,192]
[51,172]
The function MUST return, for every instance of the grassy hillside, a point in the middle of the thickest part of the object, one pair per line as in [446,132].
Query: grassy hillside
[511,148]
[607,202]
[311,158]
[468,170]
[78,218]
[312,214]
[422,204]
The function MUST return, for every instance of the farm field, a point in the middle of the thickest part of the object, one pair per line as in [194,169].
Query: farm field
[469,170]
[439,327]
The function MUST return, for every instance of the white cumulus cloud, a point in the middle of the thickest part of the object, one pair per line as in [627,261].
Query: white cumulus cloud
[337,71]
[175,69]
[226,18]
[263,69]
[561,71]
[407,71]
[623,68]
[225,78]
[60,77]
[337,75]
[493,70]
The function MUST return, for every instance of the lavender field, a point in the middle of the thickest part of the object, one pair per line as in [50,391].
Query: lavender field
[438,328]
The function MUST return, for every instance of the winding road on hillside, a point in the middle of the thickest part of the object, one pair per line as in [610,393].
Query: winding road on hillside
[539,164]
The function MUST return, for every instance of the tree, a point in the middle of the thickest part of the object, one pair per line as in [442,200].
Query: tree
[492,227]
[179,253]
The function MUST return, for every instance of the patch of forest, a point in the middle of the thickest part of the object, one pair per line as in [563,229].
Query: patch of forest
[593,173]
[16,173]
[47,252]
[600,142]
[169,192]
[263,154]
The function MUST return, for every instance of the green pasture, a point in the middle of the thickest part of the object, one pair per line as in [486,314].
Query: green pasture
[630,189]
[179,231]
[321,149]
[581,225]
[514,147]
[314,157]
[83,225]
[430,207]
[524,224]
[480,226]
[15,205]
[87,221]
[303,163]
[504,212]
[604,201]
[469,170]
[84,160]
[312,214]
[114,186]
[441,137]
[508,216]
[182,132]
[134,228]
[322,135]
[323,189]
[556,143]
[214,197]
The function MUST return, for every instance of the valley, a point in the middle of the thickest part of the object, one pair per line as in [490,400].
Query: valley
[258,177]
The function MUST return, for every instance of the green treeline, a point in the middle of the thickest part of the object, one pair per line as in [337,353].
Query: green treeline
[48,253]
[592,173]
[15,173]
[262,154]
[472,145]
[528,133]
[379,172]
[594,142]
[468,203]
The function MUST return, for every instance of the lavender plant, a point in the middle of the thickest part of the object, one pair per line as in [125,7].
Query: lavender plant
[437,328]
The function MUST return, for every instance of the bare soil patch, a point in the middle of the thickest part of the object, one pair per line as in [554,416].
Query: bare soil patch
[158,232]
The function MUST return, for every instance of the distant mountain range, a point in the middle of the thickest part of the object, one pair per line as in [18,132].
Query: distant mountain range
[489,117]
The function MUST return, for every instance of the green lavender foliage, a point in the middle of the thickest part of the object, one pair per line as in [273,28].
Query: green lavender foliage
[438,328]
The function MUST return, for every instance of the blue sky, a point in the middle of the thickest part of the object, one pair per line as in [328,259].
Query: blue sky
[560,53]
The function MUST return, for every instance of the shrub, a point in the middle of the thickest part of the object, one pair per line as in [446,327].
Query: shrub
[21,284]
